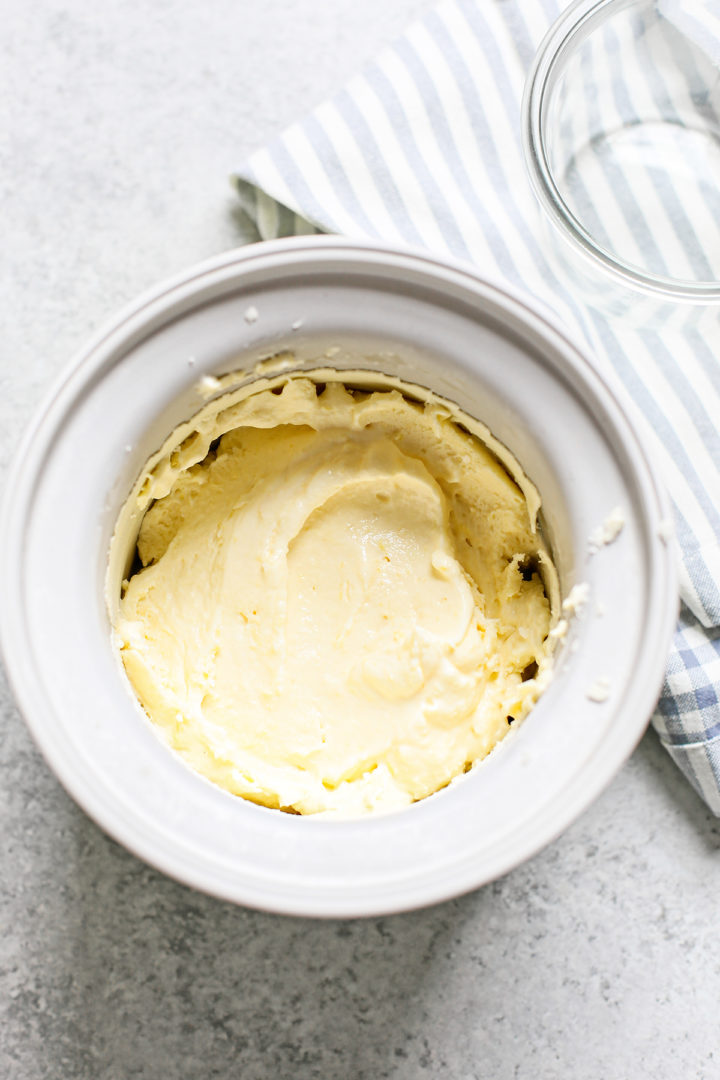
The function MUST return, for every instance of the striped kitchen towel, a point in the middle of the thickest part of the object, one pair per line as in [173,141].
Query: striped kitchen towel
[423,147]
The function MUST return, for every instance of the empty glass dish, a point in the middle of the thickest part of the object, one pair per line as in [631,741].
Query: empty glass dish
[621,127]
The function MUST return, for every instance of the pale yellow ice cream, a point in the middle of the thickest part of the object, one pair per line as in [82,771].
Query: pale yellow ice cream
[342,603]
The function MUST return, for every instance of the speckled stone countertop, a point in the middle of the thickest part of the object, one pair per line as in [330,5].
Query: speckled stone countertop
[599,959]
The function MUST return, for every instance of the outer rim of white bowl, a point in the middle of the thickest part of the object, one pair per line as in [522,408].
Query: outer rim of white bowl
[412,891]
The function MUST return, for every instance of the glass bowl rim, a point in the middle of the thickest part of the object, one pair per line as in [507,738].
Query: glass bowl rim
[566,34]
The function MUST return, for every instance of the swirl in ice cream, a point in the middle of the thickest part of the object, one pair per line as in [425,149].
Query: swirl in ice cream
[341,601]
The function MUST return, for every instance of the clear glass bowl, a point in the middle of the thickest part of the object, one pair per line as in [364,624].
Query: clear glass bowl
[621,130]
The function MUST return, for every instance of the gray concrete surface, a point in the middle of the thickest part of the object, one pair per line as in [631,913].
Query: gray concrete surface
[598,960]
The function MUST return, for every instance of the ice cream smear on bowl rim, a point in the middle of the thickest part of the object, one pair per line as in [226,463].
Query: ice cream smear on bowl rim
[335,596]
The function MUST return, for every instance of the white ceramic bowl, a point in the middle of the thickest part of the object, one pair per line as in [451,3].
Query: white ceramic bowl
[431,323]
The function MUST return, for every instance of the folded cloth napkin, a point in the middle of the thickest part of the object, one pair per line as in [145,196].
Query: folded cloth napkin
[423,147]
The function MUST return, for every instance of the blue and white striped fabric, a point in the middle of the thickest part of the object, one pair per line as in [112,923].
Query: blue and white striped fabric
[424,148]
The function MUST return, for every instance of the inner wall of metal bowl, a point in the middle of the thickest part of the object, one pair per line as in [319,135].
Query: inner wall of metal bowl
[431,325]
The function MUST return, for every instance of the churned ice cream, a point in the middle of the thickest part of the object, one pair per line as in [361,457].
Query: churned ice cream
[340,600]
